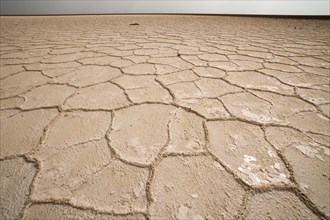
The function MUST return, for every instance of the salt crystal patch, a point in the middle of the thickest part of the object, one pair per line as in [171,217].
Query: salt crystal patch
[271,153]
[185,213]
[248,158]
[195,196]
[170,147]
[309,152]
[182,212]
[326,151]
[277,166]
[256,117]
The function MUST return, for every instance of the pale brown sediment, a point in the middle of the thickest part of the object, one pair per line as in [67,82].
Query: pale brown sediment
[179,117]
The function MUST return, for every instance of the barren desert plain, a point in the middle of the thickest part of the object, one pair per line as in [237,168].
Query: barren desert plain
[164,117]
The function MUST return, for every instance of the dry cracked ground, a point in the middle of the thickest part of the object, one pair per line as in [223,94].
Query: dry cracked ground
[179,117]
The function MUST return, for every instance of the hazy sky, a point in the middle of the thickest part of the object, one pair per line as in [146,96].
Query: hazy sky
[271,7]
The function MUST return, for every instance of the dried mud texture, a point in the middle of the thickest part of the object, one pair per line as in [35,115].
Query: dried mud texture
[67,170]
[138,133]
[179,117]
[102,96]
[21,132]
[72,128]
[243,149]
[198,188]
[16,178]
[50,211]
[309,160]
[278,205]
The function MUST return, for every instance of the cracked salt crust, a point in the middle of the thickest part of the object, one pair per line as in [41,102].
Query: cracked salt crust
[231,141]
[251,168]
[311,152]
[101,96]
[288,206]
[181,201]
[169,119]
[309,161]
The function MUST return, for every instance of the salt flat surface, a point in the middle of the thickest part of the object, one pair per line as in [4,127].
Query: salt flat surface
[175,117]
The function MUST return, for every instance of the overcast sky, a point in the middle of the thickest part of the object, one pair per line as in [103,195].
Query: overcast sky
[267,7]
